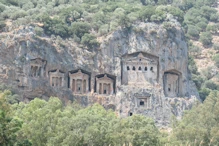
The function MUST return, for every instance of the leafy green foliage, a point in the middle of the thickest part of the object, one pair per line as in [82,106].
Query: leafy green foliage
[2,24]
[146,13]
[80,28]
[50,123]
[55,26]
[206,38]
[216,59]
[192,66]
[9,126]
[89,40]
[210,85]
[203,93]
[200,125]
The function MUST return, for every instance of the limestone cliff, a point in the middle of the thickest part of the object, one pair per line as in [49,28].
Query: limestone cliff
[141,70]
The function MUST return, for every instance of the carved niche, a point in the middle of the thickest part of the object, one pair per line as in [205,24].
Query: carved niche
[105,84]
[139,68]
[79,82]
[37,67]
[143,100]
[56,78]
[172,83]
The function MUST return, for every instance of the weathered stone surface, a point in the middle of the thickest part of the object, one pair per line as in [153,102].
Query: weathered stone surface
[32,79]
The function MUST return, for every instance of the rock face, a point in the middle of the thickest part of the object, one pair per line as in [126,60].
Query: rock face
[142,70]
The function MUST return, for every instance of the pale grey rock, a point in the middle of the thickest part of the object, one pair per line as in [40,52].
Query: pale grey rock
[17,51]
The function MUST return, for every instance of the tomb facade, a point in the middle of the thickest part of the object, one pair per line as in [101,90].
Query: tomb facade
[143,100]
[37,67]
[140,69]
[172,83]
[105,84]
[79,82]
[57,78]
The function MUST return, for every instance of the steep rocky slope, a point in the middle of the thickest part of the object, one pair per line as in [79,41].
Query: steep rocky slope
[22,50]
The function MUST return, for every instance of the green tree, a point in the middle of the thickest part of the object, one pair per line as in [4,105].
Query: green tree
[80,28]
[193,32]
[146,13]
[89,40]
[9,126]
[50,123]
[203,93]
[200,125]
[55,26]
[206,38]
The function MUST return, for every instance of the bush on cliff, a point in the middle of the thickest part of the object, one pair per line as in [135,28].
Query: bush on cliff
[206,38]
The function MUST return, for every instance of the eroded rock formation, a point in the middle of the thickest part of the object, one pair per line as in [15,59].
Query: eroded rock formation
[138,71]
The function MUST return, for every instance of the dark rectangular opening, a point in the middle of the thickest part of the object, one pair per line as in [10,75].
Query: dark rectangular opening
[141,102]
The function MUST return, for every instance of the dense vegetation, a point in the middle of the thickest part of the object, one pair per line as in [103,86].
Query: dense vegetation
[51,123]
[45,123]
[200,126]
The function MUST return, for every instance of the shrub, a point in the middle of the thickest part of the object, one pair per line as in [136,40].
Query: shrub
[198,80]
[192,65]
[168,25]
[202,25]
[214,17]
[38,30]
[193,31]
[89,40]
[124,21]
[55,26]
[208,72]
[206,38]
[80,28]
[210,85]
[203,93]
[207,11]
[146,13]
[216,47]
[212,28]
[2,24]
[216,59]
[194,50]
[2,7]
[177,13]
[104,29]
[18,14]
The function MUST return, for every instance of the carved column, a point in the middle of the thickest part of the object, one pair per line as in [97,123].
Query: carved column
[147,99]
[60,80]
[35,71]
[51,81]
[102,88]
[111,87]
[87,86]
[82,87]
[41,71]
[74,85]
[71,87]
[97,87]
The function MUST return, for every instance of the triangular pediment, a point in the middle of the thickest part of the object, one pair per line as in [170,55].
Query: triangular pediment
[78,74]
[105,78]
[57,73]
[37,61]
[140,58]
